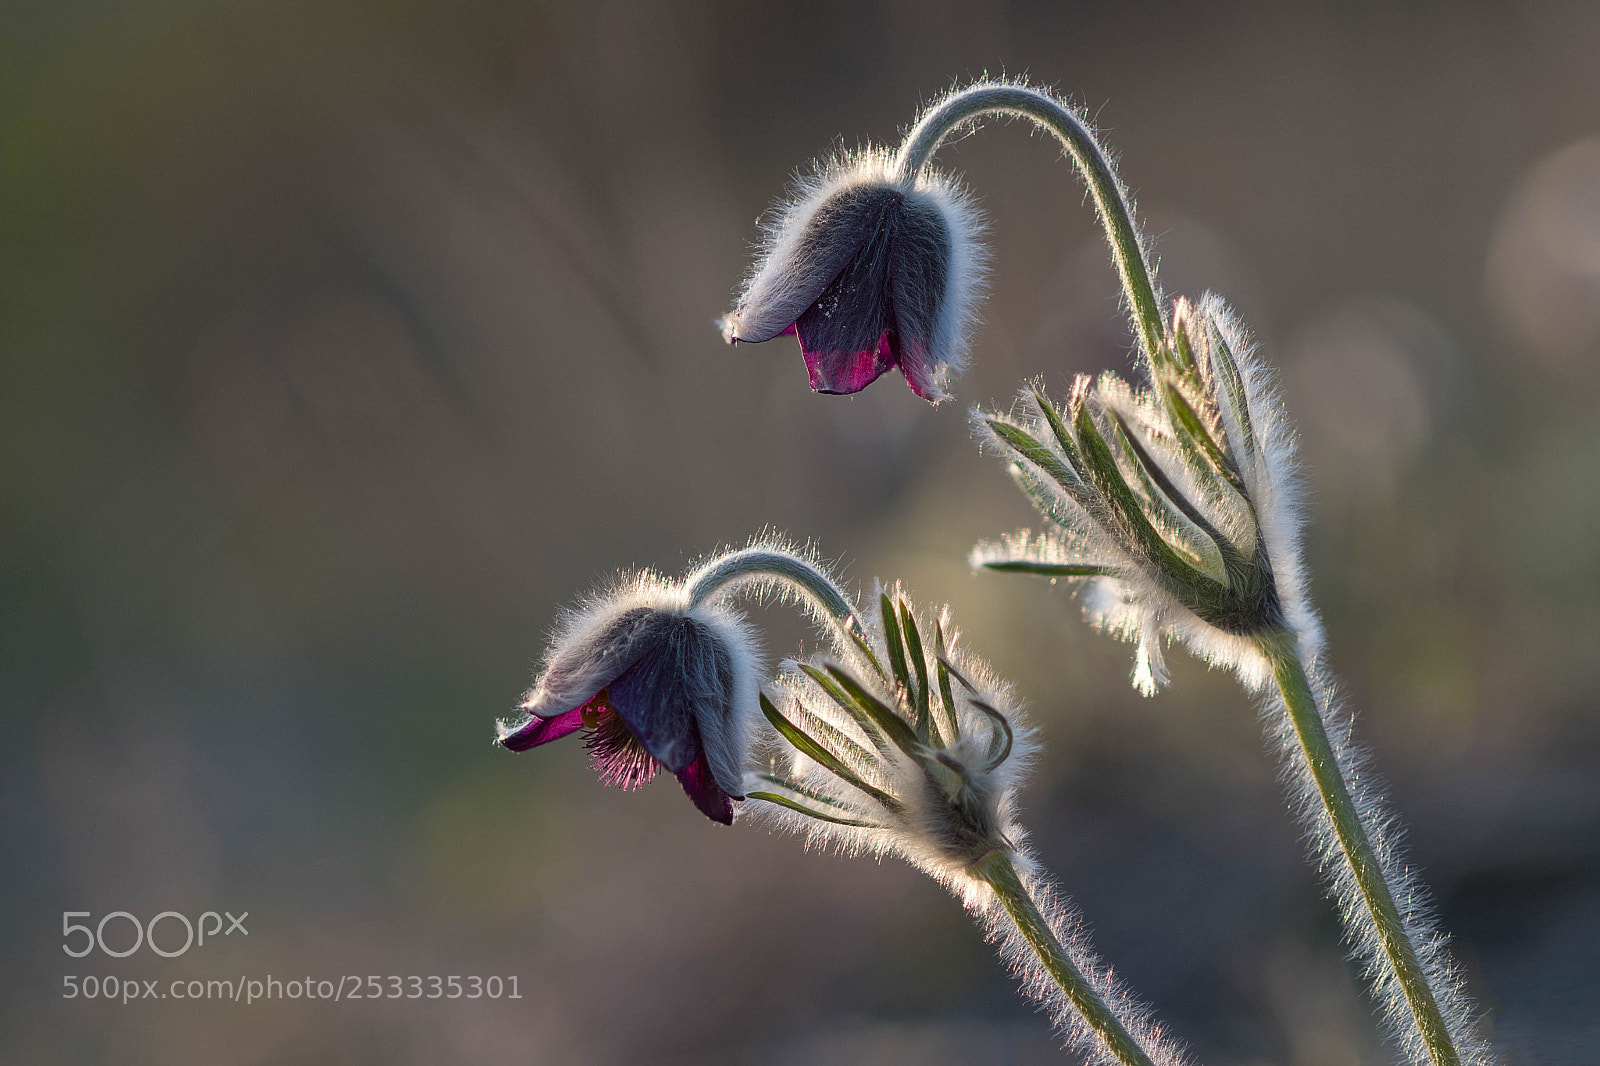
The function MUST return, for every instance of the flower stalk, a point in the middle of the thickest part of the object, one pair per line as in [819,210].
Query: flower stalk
[1111,199]
[999,872]
[1366,869]
[775,567]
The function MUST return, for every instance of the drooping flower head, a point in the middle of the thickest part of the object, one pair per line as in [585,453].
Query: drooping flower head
[658,681]
[1176,503]
[871,271]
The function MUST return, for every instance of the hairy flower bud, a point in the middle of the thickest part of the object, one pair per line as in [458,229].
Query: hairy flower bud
[658,682]
[870,271]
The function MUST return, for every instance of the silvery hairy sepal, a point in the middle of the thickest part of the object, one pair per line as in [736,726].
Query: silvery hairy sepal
[1175,503]
[871,270]
[658,680]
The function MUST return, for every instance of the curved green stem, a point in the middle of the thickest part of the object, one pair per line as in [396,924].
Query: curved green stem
[997,870]
[1110,199]
[758,565]
[1282,651]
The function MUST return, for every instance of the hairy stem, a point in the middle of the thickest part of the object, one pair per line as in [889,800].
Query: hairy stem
[1110,199]
[773,567]
[997,870]
[1282,651]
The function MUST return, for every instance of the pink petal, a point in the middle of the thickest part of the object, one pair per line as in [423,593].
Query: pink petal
[536,730]
[703,789]
[841,373]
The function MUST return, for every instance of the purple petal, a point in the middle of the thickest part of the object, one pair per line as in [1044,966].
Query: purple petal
[831,239]
[918,278]
[584,665]
[685,667]
[919,271]
[916,366]
[702,788]
[536,730]
[850,316]
[841,373]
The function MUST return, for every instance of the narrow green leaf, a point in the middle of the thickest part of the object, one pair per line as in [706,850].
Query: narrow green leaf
[1083,490]
[1210,465]
[839,741]
[1044,499]
[820,755]
[1229,387]
[919,665]
[848,705]
[1180,336]
[1035,451]
[1028,566]
[953,732]
[805,790]
[1107,476]
[1197,537]
[1000,744]
[866,649]
[1193,434]
[1058,429]
[897,650]
[784,801]
[893,726]
[1154,478]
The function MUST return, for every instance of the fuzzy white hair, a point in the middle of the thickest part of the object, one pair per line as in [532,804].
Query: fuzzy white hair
[1068,926]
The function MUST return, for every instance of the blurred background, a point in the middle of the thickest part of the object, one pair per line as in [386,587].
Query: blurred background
[342,342]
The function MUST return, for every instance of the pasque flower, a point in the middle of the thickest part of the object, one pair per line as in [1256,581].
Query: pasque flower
[1175,503]
[658,681]
[666,673]
[871,270]
[893,743]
